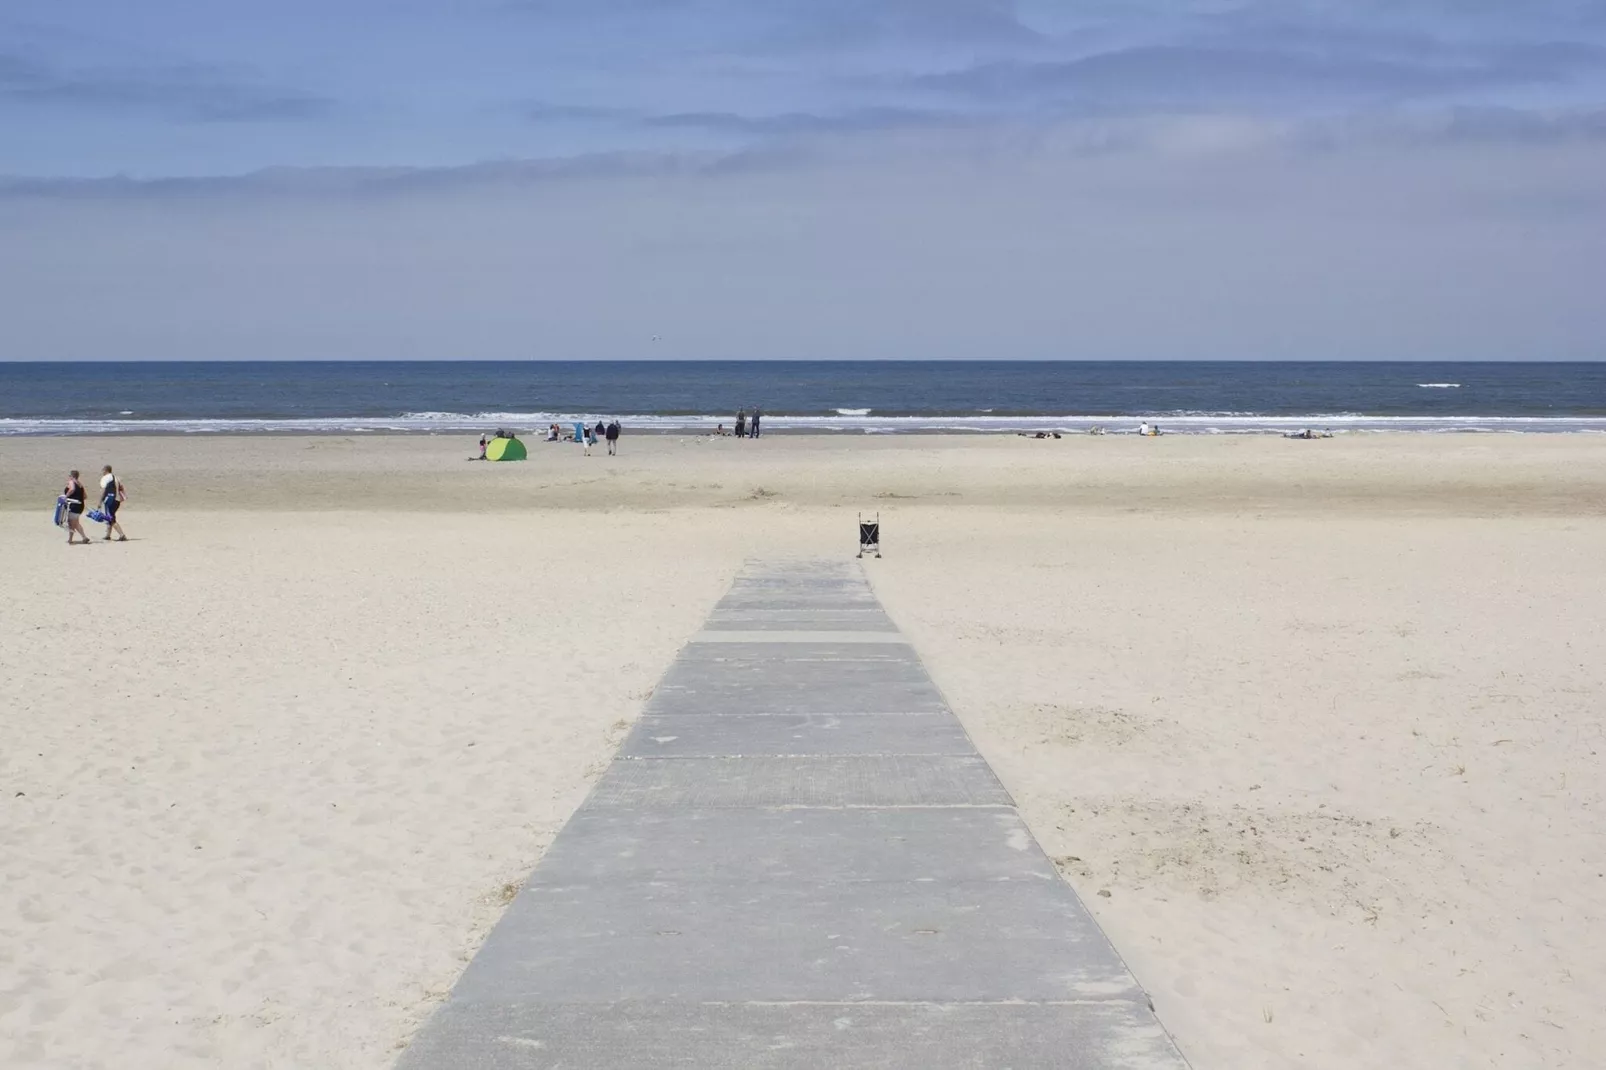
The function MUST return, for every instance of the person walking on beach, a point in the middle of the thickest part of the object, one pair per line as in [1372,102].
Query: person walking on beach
[586,437]
[741,423]
[111,498]
[74,493]
[612,434]
[758,414]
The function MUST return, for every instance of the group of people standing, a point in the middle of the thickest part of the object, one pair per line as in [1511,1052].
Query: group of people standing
[589,436]
[75,498]
[610,433]
[748,426]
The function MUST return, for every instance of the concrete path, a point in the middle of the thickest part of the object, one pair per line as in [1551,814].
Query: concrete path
[797,859]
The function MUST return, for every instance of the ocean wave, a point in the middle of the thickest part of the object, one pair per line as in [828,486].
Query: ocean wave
[1439,386]
[853,412]
[533,424]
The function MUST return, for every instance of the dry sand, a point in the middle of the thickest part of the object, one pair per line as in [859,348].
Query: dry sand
[1324,719]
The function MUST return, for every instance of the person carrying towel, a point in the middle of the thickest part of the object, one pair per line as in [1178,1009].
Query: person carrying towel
[74,493]
[111,498]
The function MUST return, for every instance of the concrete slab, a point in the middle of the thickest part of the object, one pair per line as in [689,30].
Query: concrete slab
[796,620]
[705,735]
[895,780]
[789,1036]
[797,940]
[625,847]
[796,860]
[777,635]
[765,652]
[797,697]
[702,670]
[829,603]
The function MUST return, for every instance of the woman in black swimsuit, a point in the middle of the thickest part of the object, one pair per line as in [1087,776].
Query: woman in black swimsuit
[74,493]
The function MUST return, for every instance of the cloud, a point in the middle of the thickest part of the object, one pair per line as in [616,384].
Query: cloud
[182,92]
[800,123]
[799,144]
[813,22]
[1259,79]
[545,112]
[816,24]
[1185,240]
[344,183]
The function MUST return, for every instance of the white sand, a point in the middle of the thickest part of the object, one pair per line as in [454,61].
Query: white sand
[1324,718]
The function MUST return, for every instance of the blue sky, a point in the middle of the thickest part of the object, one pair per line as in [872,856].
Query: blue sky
[781,178]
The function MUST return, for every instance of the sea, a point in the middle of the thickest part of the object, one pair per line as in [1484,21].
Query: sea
[821,397]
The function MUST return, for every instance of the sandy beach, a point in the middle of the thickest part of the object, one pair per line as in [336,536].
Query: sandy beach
[1314,728]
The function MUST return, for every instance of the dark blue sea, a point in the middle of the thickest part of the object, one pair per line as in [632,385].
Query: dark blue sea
[867,397]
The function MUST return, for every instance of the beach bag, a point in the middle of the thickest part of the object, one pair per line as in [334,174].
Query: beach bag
[60,518]
[95,516]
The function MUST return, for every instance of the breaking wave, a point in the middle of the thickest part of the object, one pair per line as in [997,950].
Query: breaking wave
[533,424]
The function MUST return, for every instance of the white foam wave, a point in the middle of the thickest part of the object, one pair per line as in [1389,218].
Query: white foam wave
[1439,386]
[853,412]
[533,424]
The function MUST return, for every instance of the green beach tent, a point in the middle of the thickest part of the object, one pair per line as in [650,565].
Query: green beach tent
[505,449]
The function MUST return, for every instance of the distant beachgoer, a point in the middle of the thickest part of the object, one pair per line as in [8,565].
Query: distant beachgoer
[719,432]
[601,429]
[585,436]
[74,493]
[1155,430]
[758,414]
[611,433]
[111,499]
[1143,429]
[484,442]
[741,423]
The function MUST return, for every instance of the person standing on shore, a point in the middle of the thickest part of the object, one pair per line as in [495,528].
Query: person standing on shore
[111,498]
[612,435]
[74,493]
[758,414]
[741,423]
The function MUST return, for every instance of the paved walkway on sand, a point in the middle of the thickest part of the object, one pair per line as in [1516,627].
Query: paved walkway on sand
[797,859]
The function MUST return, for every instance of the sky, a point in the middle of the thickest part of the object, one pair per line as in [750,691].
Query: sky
[876,179]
